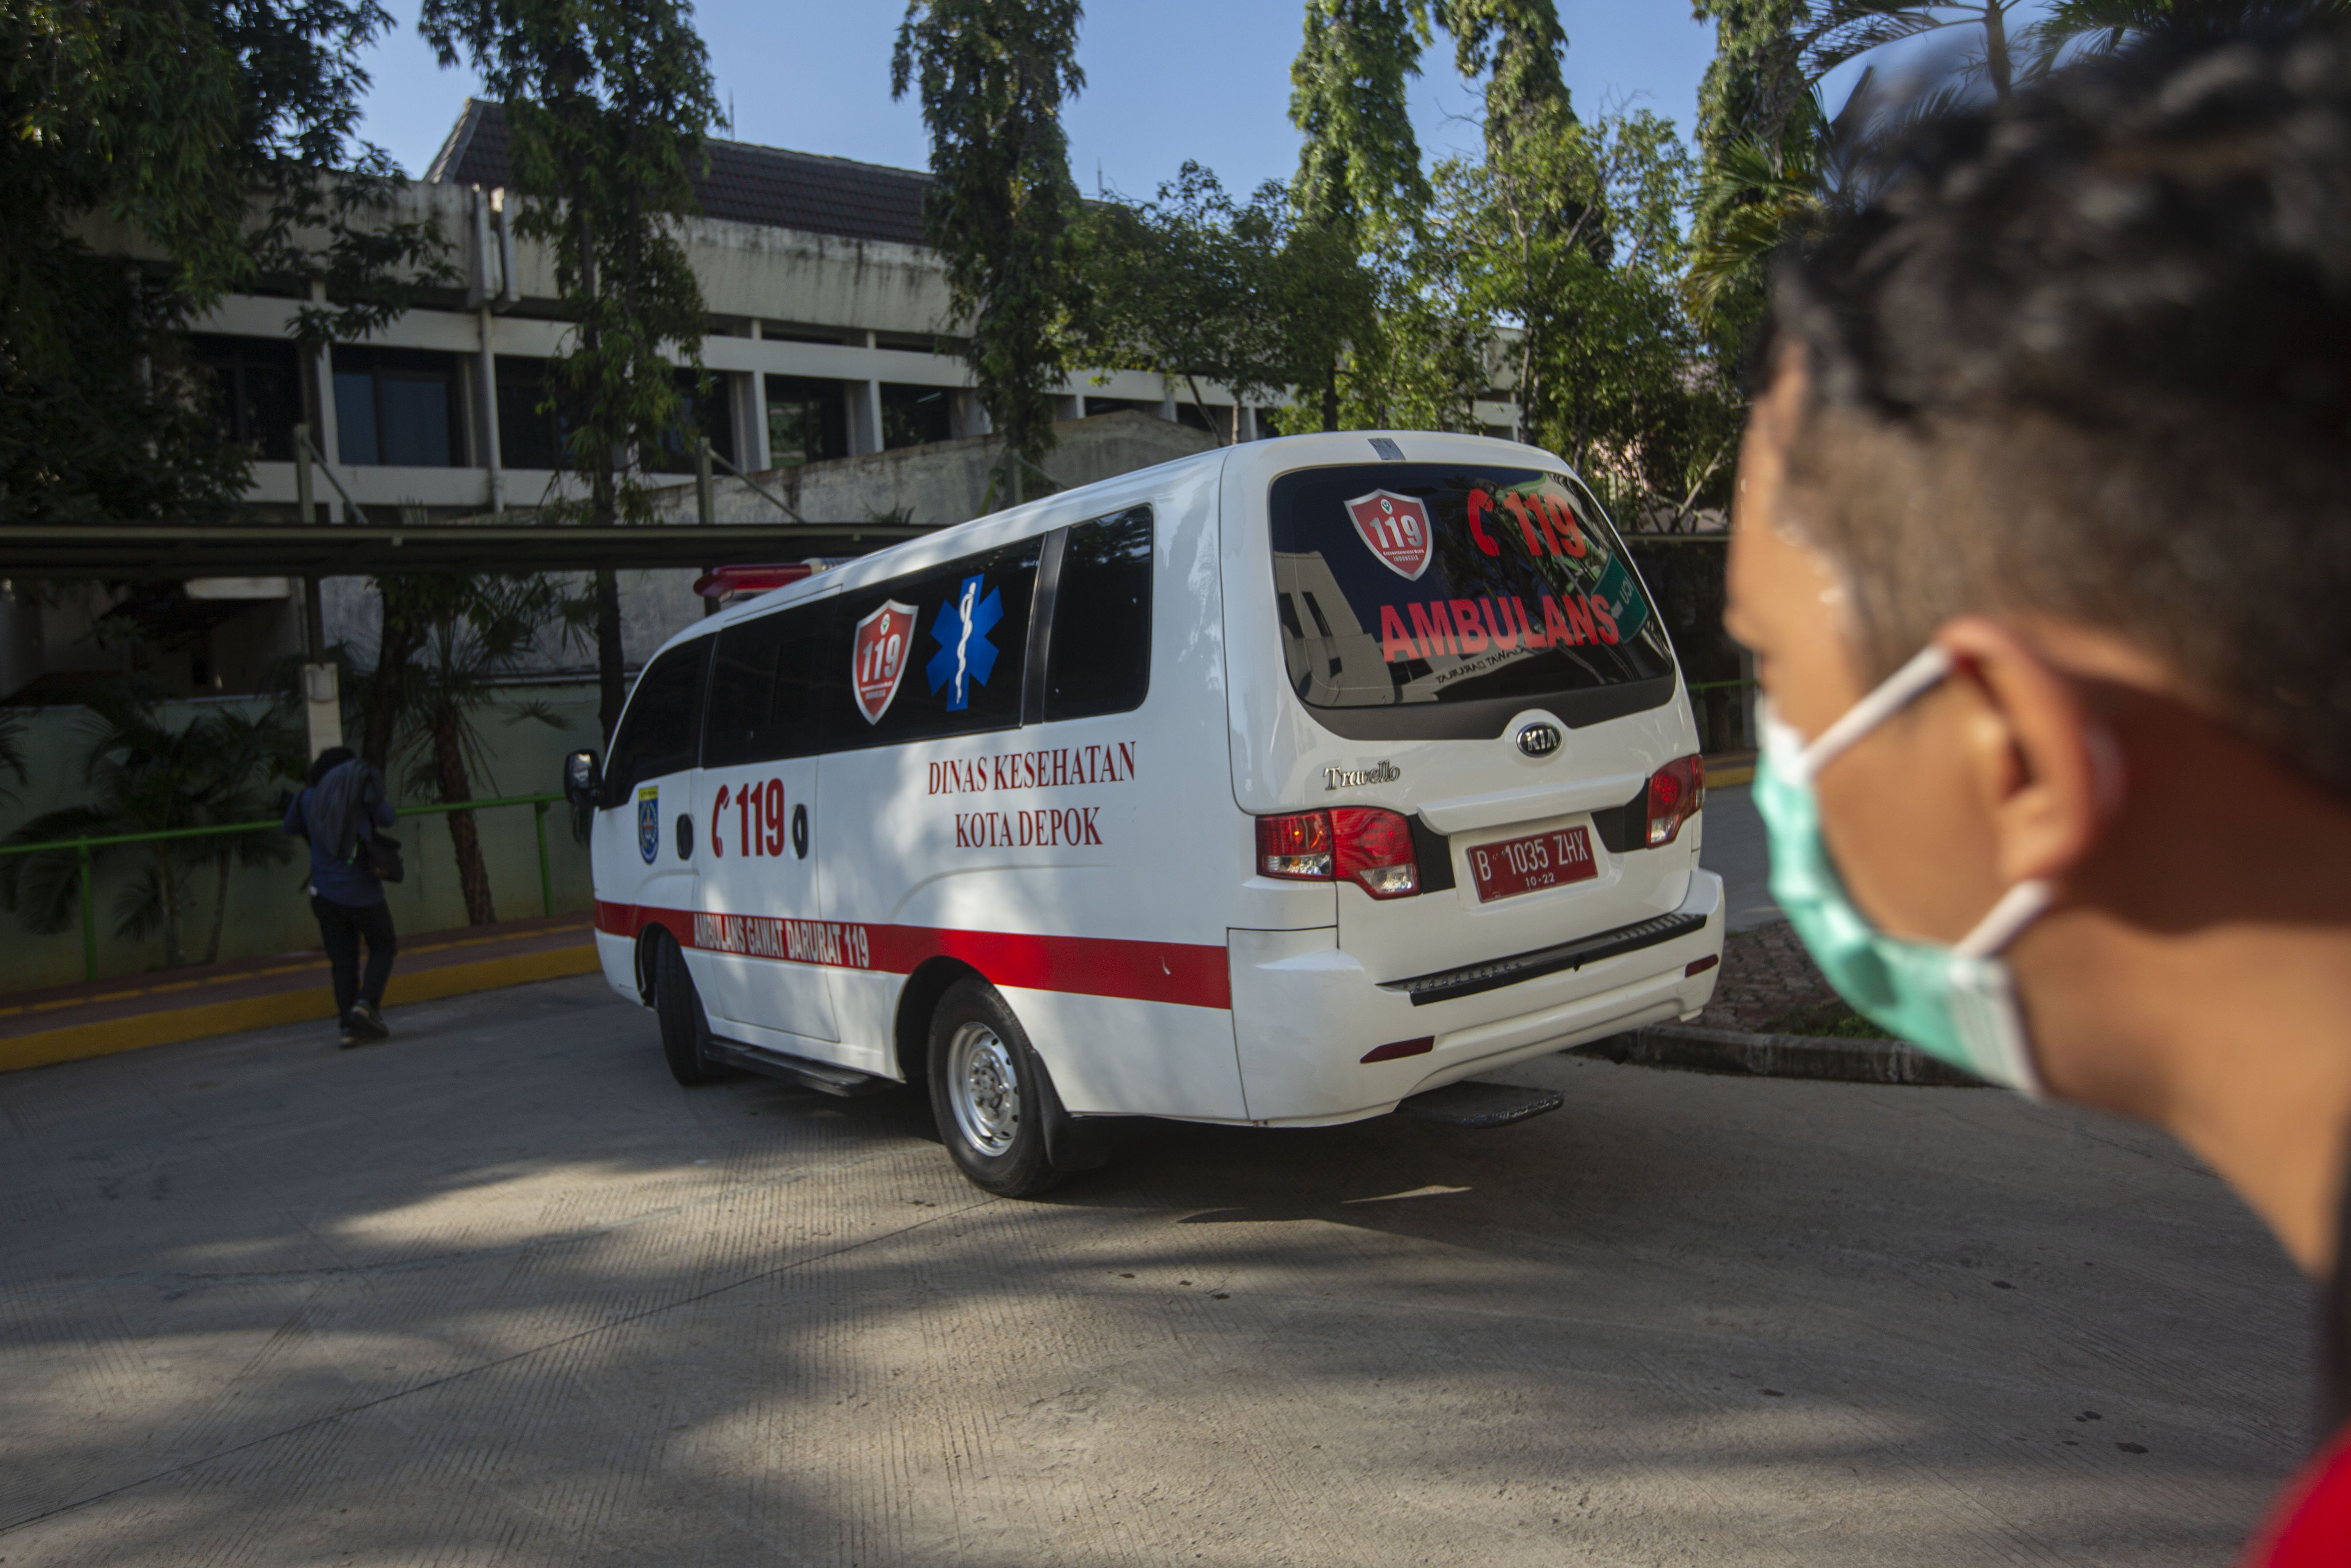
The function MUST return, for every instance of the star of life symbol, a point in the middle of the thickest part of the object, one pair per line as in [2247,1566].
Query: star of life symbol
[878,657]
[965,653]
[1396,529]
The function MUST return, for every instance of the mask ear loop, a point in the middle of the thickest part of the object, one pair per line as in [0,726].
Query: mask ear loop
[2018,907]
[1924,670]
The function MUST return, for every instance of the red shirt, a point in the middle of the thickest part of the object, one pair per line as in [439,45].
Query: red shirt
[2311,1526]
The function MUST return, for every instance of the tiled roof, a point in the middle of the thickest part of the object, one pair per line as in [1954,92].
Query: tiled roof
[744,184]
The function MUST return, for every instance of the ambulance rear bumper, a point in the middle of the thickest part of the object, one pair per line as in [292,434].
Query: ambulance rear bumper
[1306,1013]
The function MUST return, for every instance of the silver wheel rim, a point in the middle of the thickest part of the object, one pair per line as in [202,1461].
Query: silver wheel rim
[984,1088]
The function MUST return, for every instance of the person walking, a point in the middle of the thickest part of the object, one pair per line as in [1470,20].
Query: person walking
[338,812]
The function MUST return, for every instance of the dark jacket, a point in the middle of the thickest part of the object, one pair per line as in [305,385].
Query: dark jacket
[334,814]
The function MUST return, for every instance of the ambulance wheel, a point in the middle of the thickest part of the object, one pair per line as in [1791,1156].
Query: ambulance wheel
[985,1091]
[684,1025]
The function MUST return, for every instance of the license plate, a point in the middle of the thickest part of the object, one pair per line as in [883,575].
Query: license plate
[1536,861]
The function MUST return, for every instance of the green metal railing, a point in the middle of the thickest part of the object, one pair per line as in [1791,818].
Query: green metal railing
[81,848]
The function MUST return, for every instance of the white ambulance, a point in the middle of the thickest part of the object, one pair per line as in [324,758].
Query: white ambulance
[1275,786]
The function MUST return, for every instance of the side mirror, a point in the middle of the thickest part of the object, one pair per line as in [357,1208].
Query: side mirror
[583,778]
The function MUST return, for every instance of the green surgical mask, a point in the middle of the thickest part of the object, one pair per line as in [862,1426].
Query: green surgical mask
[1955,1002]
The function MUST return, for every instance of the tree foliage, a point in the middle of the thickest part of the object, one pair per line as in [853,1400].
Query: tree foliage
[219,139]
[1199,289]
[606,103]
[1516,45]
[455,640]
[1360,163]
[1552,267]
[141,774]
[1001,209]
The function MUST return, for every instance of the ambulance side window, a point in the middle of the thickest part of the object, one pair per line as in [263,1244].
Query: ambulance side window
[1100,660]
[943,651]
[659,732]
[762,688]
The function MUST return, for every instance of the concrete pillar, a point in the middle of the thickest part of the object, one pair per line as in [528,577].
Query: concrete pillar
[322,370]
[971,414]
[1247,424]
[1167,402]
[865,417]
[756,458]
[486,361]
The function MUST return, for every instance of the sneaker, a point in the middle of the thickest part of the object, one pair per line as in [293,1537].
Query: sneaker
[353,1035]
[368,1018]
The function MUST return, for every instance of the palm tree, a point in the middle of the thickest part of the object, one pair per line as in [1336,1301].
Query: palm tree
[2074,29]
[468,633]
[145,776]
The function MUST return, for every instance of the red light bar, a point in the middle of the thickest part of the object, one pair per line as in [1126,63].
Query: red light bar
[723,581]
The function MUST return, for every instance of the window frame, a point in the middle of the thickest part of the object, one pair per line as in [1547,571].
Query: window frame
[616,790]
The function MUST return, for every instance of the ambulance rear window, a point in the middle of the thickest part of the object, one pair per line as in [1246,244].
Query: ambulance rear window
[1439,601]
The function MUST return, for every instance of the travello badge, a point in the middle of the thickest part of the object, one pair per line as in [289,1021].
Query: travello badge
[1396,527]
[878,657]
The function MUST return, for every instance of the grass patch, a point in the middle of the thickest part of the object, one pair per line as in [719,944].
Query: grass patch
[1830,1019]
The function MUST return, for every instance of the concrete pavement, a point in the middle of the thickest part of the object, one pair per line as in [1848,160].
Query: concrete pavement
[498,1292]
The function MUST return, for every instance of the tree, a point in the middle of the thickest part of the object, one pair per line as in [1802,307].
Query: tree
[2071,29]
[1359,171]
[445,643]
[1195,288]
[218,137]
[1001,209]
[144,776]
[1567,244]
[1756,111]
[606,105]
[478,630]
[1518,42]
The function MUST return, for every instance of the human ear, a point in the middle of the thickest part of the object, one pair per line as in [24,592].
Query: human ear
[2047,772]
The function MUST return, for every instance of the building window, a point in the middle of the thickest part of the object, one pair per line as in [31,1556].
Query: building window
[702,415]
[808,421]
[913,416]
[529,433]
[254,388]
[396,407]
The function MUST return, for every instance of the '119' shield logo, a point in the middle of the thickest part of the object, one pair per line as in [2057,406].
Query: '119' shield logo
[649,821]
[878,657]
[1396,528]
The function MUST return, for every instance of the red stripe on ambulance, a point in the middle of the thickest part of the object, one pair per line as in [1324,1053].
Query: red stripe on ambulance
[1187,973]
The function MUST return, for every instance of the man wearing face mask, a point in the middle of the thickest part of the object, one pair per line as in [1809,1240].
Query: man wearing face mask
[2042,542]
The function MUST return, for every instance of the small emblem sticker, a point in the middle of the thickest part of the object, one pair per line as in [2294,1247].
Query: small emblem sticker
[649,823]
[1539,739]
[878,657]
[1396,529]
[965,653]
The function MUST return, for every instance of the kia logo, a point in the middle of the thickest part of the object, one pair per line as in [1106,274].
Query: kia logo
[1539,739]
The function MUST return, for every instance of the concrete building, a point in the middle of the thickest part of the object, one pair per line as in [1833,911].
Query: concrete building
[831,345]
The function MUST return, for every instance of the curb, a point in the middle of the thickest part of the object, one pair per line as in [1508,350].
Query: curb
[1696,1049]
[170,1027]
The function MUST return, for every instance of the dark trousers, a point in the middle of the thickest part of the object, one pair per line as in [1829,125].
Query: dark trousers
[343,927]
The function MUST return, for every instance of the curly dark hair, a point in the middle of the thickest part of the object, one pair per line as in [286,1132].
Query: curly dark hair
[2087,354]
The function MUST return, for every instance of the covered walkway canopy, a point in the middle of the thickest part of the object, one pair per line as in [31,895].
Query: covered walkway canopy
[165,551]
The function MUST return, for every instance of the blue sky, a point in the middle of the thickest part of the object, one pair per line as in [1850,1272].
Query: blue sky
[1208,79]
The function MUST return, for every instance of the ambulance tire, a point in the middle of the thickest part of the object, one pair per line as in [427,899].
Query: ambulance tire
[988,1092]
[684,1025]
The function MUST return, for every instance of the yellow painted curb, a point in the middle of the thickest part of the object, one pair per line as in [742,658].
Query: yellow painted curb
[1730,776]
[75,1041]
